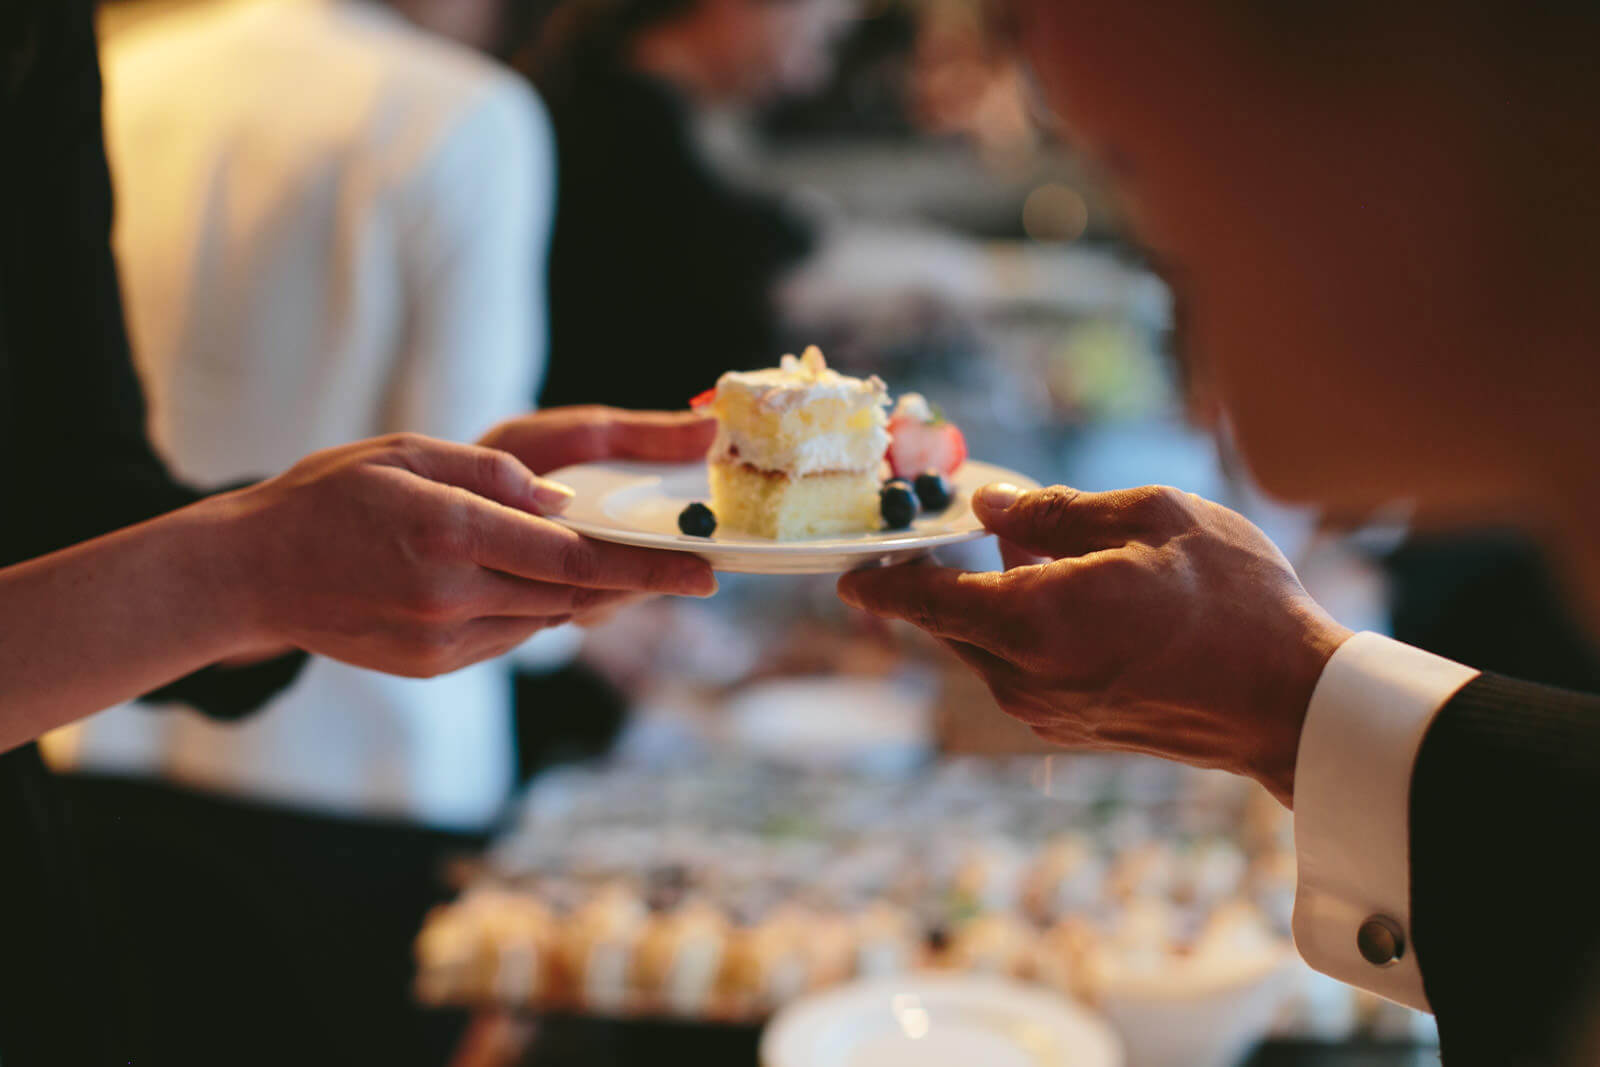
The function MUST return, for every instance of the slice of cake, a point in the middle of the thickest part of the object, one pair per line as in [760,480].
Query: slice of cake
[799,450]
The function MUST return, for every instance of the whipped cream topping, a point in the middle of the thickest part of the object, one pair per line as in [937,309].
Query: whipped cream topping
[790,387]
[913,406]
[801,381]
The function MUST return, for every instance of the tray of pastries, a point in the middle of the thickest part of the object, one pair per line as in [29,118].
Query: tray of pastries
[721,893]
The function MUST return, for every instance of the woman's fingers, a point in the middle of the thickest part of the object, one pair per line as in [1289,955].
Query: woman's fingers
[662,436]
[493,593]
[531,548]
[487,472]
[559,437]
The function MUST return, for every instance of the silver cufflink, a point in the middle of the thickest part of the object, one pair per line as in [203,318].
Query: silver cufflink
[1381,941]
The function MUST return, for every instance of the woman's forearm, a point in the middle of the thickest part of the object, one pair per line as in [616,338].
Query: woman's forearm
[87,627]
[401,554]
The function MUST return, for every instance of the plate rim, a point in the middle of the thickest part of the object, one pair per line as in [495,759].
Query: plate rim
[678,542]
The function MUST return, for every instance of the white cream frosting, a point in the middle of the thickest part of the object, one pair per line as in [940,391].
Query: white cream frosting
[788,388]
[805,380]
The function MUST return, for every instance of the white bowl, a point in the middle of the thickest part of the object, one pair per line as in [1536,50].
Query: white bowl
[932,1020]
[1197,1018]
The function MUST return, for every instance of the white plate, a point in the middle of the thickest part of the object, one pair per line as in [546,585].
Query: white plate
[927,1020]
[638,504]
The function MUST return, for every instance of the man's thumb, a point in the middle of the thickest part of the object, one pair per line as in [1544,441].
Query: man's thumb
[1051,523]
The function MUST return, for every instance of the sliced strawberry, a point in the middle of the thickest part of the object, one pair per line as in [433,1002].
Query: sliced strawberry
[917,446]
[705,399]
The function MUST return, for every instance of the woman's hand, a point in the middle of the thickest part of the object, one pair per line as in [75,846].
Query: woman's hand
[417,557]
[1145,620]
[548,440]
[402,554]
[560,437]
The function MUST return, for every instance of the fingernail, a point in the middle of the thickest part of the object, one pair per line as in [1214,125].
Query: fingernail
[704,584]
[551,497]
[997,497]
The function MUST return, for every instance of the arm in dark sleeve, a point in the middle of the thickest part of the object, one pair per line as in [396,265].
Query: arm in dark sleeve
[1505,809]
[81,464]
[89,468]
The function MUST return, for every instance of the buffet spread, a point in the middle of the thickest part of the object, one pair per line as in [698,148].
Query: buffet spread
[723,893]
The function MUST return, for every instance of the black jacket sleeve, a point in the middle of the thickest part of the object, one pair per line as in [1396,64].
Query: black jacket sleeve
[1505,821]
[77,462]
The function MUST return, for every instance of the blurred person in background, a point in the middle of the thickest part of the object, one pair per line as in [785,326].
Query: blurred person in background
[662,269]
[334,222]
[1364,210]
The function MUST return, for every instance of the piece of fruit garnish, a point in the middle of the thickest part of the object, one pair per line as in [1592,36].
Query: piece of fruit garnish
[899,506]
[697,520]
[932,490]
[917,446]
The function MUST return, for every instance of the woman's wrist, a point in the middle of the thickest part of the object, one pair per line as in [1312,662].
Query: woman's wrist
[121,615]
[226,577]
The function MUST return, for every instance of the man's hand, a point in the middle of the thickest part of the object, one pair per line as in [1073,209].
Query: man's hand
[560,437]
[417,557]
[1145,620]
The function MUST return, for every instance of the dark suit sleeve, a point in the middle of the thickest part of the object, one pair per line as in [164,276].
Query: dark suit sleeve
[79,464]
[1505,824]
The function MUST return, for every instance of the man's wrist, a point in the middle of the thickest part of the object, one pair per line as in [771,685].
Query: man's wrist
[1287,695]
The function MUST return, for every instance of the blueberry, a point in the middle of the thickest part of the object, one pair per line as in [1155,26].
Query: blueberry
[933,491]
[899,506]
[897,481]
[696,520]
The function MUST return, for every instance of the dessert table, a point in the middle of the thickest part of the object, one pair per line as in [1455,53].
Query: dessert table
[630,910]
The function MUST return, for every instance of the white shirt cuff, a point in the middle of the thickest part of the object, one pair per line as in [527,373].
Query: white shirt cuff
[1352,806]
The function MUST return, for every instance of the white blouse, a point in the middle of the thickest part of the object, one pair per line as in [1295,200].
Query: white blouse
[331,226]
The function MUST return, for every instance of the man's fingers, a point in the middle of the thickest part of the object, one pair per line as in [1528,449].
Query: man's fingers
[1058,521]
[1014,557]
[546,552]
[1004,679]
[487,472]
[988,665]
[561,437]
[959,605]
